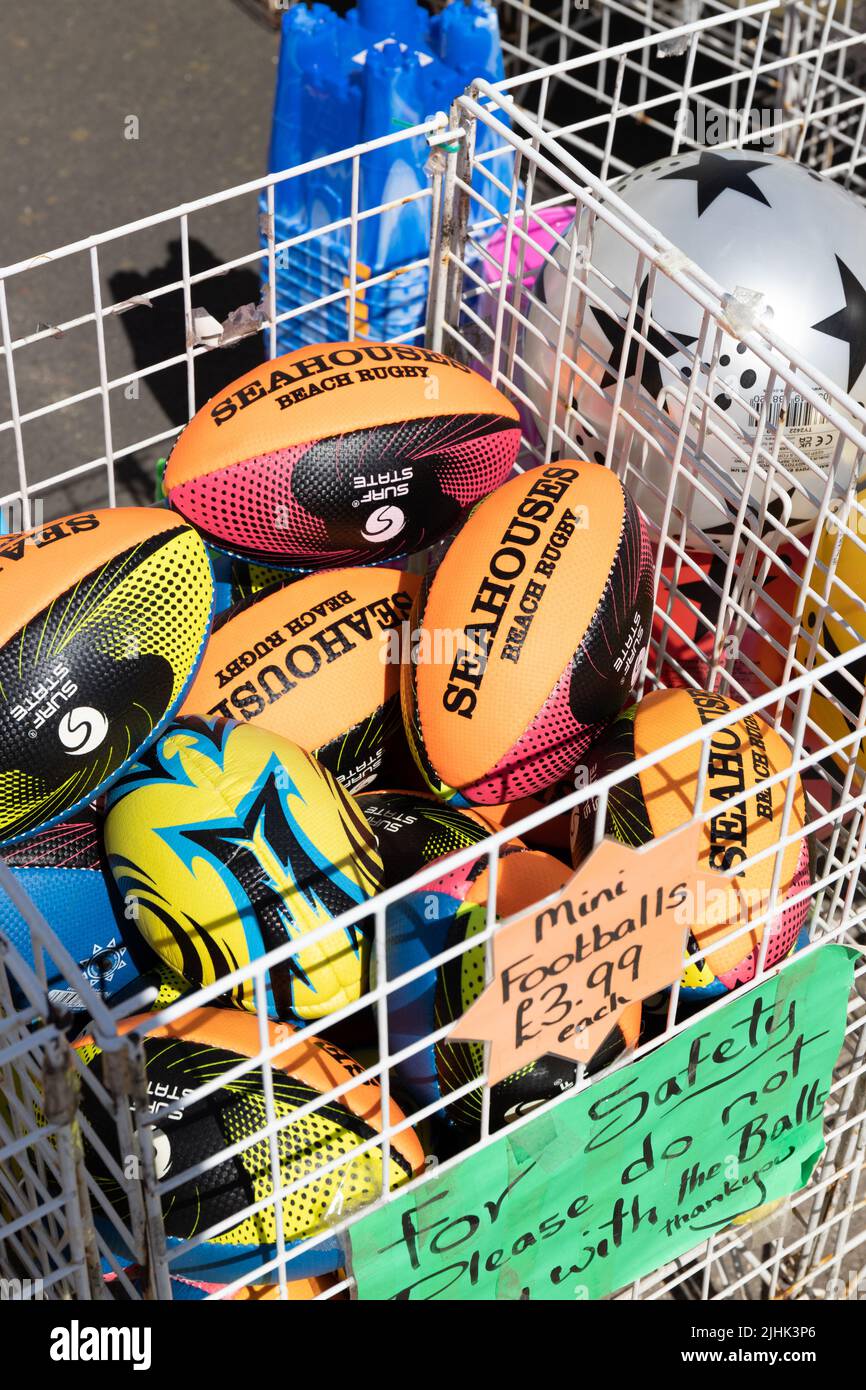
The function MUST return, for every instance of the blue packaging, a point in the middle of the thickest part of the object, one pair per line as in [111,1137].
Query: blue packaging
[64,872]
[343,80]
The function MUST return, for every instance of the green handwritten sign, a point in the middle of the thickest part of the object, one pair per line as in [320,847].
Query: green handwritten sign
[634,1170]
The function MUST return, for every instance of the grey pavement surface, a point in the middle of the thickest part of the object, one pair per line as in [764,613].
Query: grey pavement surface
[198,76]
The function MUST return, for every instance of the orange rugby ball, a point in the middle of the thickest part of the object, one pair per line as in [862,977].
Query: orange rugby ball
[342,453]
[317,661]
[530,634]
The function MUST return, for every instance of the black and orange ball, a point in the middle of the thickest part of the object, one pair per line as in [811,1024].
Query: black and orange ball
[413,828]
[342,454]
[546,597]
[208,1043]
[446,912]
[662,797]
[227,842]
[104,618]
[318,661]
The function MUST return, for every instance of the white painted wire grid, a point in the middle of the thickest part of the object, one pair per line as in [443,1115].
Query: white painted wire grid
[484,321]
[801,63]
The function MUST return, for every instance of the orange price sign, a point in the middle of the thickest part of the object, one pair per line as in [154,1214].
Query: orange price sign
[564,971]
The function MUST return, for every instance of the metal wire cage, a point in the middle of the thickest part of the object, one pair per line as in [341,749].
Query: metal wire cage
[58,1228]
[653,78]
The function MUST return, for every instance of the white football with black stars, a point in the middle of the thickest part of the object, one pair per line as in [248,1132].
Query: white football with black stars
[749,220]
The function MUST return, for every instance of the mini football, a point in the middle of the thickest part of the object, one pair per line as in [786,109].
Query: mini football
[413,828]
[227,842]
[532,632]
[662,797]
[794,238]
[197,1050]
[449,910]
[318,661]
[104,618]
[342,453]
[64,873]
[834,622]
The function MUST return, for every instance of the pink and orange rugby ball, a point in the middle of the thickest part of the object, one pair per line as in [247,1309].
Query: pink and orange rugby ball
[342,454]
[546,594]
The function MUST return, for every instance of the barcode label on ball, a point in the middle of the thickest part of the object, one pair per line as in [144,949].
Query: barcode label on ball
[806,431]
[798,413]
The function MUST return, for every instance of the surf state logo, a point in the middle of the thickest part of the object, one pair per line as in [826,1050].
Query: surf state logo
[383,524]
[82,729]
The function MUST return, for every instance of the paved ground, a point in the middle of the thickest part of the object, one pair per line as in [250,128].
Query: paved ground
[197,75]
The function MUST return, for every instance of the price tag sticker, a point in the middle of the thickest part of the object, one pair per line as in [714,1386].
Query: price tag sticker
[564,972]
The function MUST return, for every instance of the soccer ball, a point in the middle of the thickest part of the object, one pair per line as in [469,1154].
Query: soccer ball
[754,223]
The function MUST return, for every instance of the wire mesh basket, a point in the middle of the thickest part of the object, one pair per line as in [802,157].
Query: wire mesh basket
[583,107]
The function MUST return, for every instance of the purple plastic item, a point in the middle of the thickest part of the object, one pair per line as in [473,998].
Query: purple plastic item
[544,228]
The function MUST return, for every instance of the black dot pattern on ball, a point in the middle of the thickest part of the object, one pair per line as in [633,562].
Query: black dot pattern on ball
[471,467]
[583,698]
[302,503]
[74,845]
[250,508]
[548,748]
[117,631]
[236,1113]
[303,1148]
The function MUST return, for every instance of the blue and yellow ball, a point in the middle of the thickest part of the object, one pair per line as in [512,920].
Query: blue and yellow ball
[228,842]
